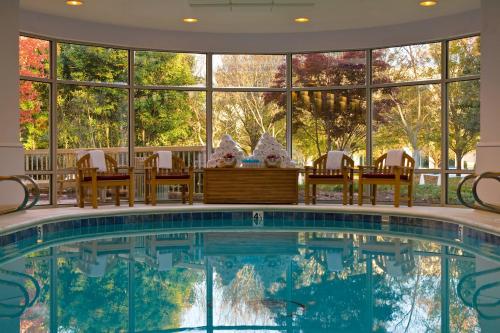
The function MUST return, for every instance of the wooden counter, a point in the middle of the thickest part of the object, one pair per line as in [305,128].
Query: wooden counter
[251,185]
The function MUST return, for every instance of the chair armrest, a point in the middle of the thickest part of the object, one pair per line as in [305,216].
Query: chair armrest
[309,169]
[125,167]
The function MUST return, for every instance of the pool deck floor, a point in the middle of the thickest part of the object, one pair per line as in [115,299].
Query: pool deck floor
[485,221]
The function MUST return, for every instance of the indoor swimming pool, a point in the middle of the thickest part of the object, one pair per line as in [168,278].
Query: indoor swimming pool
[249,271]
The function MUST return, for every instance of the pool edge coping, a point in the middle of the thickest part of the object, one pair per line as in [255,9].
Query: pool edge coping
[466,217]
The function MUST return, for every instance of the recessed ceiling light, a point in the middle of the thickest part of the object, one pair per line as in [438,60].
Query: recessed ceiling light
[74,2]
[301,20]
[428,3]
[190,20]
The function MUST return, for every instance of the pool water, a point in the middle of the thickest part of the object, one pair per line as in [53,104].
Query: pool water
[251,279]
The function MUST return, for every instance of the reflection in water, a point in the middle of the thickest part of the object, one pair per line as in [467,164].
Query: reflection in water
[259,281]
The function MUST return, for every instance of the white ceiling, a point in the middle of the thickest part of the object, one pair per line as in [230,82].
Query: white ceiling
[325,15]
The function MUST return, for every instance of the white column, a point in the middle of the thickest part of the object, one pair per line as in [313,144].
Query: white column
[488,149]
[11,151]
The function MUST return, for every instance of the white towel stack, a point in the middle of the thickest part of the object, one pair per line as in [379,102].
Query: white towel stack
[164,159]
[334,160]
[394,158]
[97,160]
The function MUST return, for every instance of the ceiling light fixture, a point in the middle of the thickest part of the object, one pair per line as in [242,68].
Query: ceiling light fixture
[428,3]
[301,20]
[74,2]
[190,20]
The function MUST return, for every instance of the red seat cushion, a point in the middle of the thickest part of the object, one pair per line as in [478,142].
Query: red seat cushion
[384,176]
[325,176]
[173,176]
[110,176]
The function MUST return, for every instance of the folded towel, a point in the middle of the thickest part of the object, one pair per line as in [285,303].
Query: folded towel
[394,158]
[334,160]
[164,159]
[80,154]
[97,160]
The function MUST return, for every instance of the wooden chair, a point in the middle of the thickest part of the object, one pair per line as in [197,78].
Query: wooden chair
[318,174]
[89,177]
[178,175]
[381,174]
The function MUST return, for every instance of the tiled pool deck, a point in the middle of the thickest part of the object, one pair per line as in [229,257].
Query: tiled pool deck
[485,221]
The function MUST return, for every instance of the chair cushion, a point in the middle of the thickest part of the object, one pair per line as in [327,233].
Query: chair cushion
[325,176]
[173,176]
[383,176]
[109,176]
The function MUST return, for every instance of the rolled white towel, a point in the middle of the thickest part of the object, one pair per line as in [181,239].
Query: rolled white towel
[164,159]
[334,160]
[97,160]
[394,157]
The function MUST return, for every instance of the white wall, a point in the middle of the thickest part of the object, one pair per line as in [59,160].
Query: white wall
[488,153]
[62,28]
[11,152]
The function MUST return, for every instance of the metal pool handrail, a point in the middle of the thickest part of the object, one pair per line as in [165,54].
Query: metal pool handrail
[478,202]
[26,203]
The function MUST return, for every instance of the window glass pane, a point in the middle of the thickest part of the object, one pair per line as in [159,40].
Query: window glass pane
[91,63]
[328,120]
[329,69]
[407,63]
[453,181]
[409,118]
[34,57]
[247,115]
[464,57]
[34,101]
[169,69]
[463,124]
[43,181]
[426,190]
[245,70]
[170,120]
[89,117]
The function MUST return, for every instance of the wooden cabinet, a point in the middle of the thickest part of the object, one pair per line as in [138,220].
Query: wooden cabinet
[251,185]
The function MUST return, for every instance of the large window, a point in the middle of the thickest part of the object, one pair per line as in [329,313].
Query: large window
[249,98]
[34,111]
[423,98]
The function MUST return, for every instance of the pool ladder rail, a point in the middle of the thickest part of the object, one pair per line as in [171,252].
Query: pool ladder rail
[478,202]
[28,201]
[472,295]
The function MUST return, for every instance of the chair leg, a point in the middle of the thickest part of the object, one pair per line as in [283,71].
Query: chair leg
[153,190]
[183,193]
[344,193]
[410,194]
[146,192]
[360,194]
[191,192]
[314,191]
[307,196]
[94,195]
[397,194]
[117,195]
[131,193]
[351,193]
[374,195]
[81,197]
